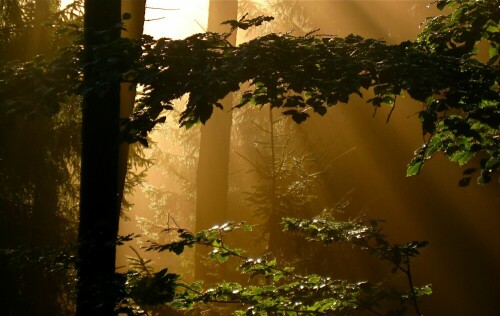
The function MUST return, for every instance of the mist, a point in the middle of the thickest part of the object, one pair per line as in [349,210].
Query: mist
[252,165]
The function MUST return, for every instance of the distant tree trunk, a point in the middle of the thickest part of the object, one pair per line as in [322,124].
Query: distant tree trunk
[45,199]
[132,28]
[41,36]
[213,164]
[99,192]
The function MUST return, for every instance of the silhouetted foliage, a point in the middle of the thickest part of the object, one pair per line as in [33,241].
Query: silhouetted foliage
[277,289]
[309,74]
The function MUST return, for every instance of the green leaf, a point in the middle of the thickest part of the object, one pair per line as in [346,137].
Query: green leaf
[462,157]
[423,290]
[314,279]
[414,167]
[388,100]
[493,51]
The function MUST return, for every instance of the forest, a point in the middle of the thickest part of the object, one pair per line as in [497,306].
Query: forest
[249,157]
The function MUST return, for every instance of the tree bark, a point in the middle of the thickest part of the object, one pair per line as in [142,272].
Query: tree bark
[99,192]
[213,163]
[132,29]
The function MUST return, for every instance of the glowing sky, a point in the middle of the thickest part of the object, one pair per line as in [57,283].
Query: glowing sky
[173,18]
[188,17]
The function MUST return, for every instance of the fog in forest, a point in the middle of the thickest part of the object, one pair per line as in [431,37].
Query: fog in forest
[254,165]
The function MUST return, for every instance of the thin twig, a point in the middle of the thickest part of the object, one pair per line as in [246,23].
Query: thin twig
[412,287]
[392,110]
[163,9]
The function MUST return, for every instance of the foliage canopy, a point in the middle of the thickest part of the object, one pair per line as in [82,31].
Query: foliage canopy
[459,93]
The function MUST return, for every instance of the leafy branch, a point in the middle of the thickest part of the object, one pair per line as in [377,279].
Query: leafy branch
[303,74]
[276,289]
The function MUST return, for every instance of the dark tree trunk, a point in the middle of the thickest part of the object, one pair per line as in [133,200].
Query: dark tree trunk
[213,164]
[99,200]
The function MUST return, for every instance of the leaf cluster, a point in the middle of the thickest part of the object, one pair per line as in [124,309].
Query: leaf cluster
[38,88]
[304,74]
[464,119]
[278,290]
[365,235]
[310,74]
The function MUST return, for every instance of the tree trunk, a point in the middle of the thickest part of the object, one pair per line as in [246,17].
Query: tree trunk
[132,29]
[40,36]
[213,164]
[99,199]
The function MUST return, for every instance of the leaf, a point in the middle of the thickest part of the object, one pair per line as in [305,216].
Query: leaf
[462,157]
[177,248]
[299,117]
[493,51]
[465,181]
[469,171]
[414,167]
[344,98]
[320,109]
[484,179]
[388,100]
[245,98]
[245,23]
[314,279]
[423,290]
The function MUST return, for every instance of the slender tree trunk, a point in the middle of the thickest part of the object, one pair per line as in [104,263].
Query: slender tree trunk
[132,29]
[41,36]
[274,220]
[213,164]
[99,200]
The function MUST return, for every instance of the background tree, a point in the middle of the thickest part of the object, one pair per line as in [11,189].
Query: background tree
[39,180]
[213,163]
[288,179]
[133,25]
